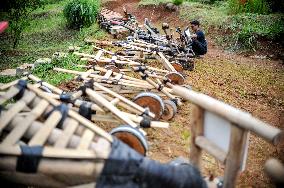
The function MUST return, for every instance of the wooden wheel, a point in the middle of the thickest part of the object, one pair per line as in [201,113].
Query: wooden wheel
[170,110]
[151,101]
[132,137]
[175,78]
[178,67]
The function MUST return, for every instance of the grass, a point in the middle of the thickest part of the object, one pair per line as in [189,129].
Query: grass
[46,34]
[235,31]
[153,2]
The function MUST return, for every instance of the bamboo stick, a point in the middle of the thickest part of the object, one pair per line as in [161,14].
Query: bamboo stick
[240,118]
[73,114]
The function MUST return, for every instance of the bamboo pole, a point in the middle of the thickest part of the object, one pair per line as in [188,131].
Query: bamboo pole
[73,114]
[236,116]
[130,103]
[197,120]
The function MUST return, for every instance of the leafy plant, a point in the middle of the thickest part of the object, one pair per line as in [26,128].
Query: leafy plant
[46,72]
[18,13]
[249,6]
[177,2]
[80,13]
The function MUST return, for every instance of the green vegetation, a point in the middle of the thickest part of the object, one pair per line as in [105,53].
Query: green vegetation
[46,73]
[18,13]
[153,2]
[249,6]
[46,34]
[80,13]
[177,2]
[241,31]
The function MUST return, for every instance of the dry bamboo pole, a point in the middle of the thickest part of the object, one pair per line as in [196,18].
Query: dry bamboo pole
[234,156]
[53,88]
[236,116]
[64,158]
[42,135]
[8,85]
[130,103]
[17,107]
[115,73]
[135,118]
[275,169]
[77,102]
[165,62]
[122,104]
[73,114]
[163,89]
[97,78]
[133,62]
[196,130]
[103,102]
[19,131]
[12,92]
[154,124]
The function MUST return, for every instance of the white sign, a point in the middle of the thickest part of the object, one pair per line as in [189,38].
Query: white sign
[218,131]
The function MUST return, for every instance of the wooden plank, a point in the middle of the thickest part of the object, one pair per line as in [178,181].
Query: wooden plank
[16,134]
[86,139]
[7,116]
[71,126]
[234,157]
[197,119]
[42,135]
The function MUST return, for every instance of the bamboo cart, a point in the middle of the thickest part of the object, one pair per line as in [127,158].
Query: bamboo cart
[41,137]
[44,143]
[223,131]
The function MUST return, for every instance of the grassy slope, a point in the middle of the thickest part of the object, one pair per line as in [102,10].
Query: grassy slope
[46,34]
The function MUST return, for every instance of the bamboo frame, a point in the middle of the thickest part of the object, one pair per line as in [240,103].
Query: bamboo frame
[241,123]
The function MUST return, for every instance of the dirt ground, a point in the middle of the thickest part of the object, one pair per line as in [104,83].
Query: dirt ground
[252,84]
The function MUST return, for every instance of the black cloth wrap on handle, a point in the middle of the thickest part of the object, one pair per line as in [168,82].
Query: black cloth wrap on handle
[146,112]
[125,168]
[175,101]
[160,87]
[165,81]
[63,109]
[21,85]
[146,122]
[144,76]
[66,97]
[29,160]
[86,111]
[140,69]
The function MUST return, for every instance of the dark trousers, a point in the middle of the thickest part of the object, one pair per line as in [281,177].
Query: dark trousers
[198,48]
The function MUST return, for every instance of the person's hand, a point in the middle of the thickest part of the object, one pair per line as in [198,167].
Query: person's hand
[193,37]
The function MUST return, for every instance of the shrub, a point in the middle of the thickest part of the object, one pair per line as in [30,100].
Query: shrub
[249,6]
[18,13]
[177,2]
[80,13]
